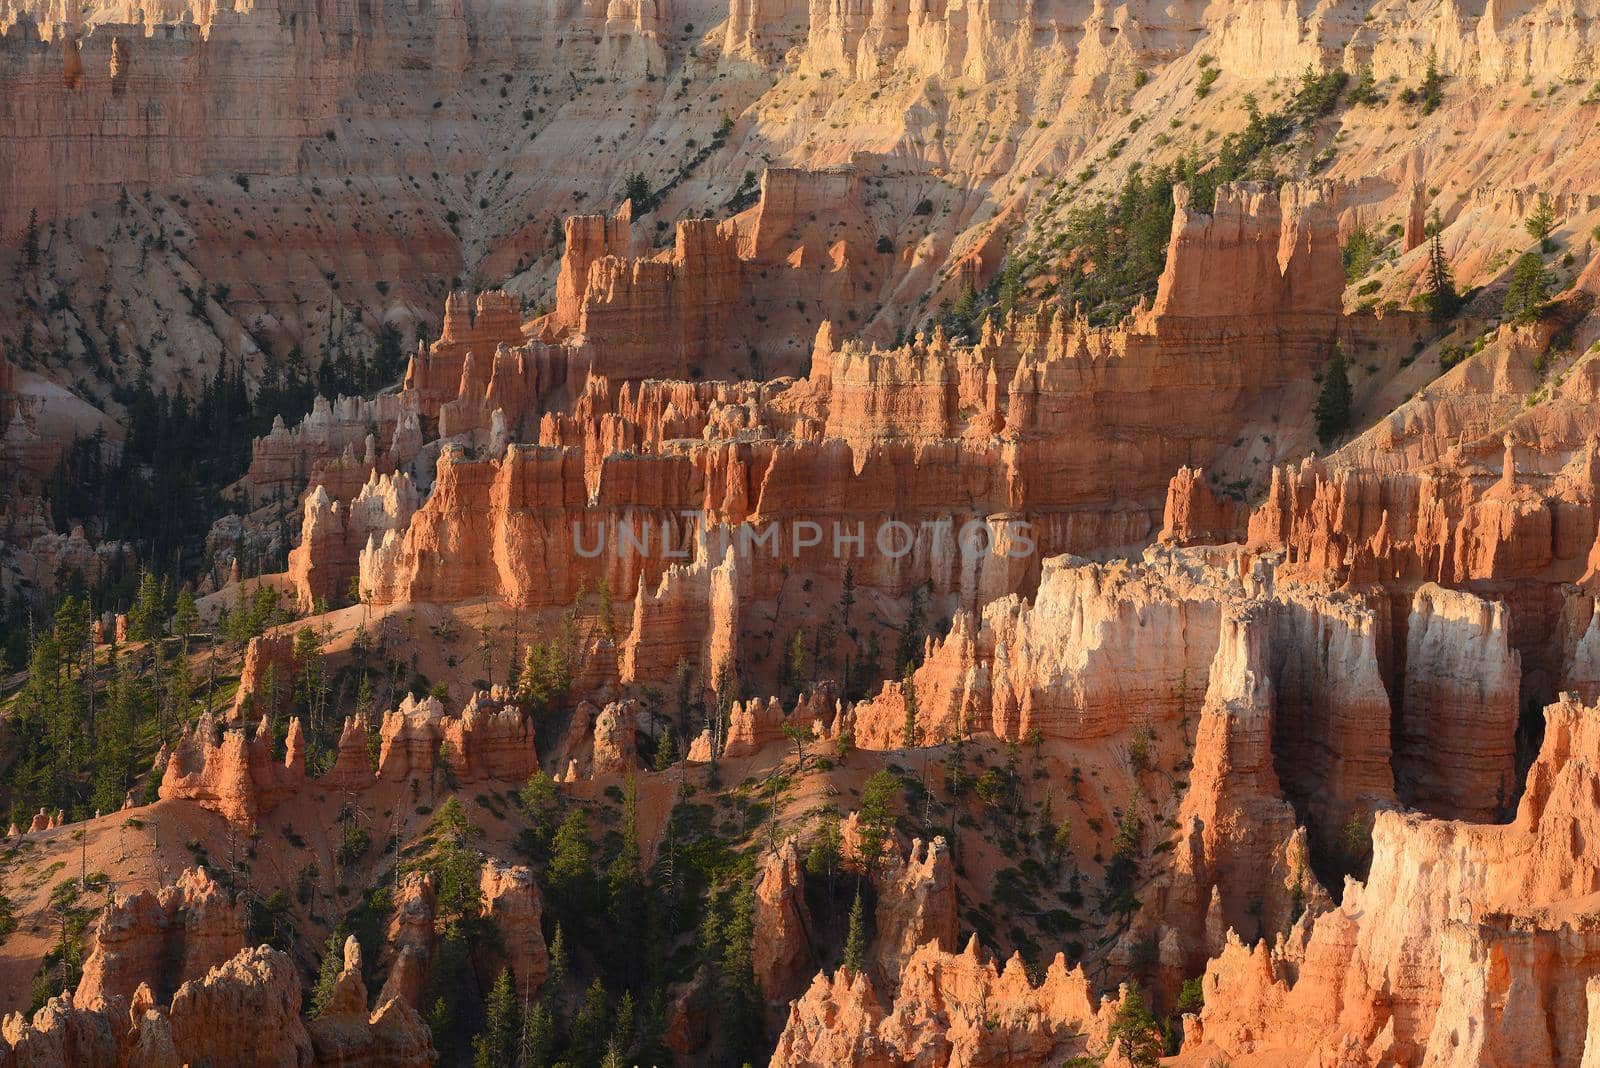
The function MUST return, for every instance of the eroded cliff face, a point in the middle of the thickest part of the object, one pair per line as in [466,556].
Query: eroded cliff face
[1466,943]
[1327,661]
[245,1010]
[234,771]
[161,940]
[957,1008]
[782,921]
[893,435]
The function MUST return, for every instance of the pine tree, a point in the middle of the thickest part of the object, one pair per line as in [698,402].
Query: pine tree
[441,1023]
[556,979]
[623,1033]
[367,710]
[1432,91]
[180,688]
[855,940]
[1528,291]
[328,971]
[1123,870]
[1443,301]
[911,734]
[570,860]
[796,661]
[1062,841]
[185,616]
[546,675]
[876,814]
[148,611]
[589,1025]
[72,629]
[30,239]
[114,760]
[1366,90]
[637,190]
[740,997]
[308,671]
[538,1040]
[503,1024]
[1541,221]
[450,992]
[1333,401]
[628,905]
[1134,1027]
[963,316]
[666,751]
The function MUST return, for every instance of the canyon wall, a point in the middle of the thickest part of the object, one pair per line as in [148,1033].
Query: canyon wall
[896,435]
[234,772]
[1448,945]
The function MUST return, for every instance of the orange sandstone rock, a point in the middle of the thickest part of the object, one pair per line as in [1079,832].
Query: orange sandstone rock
[410,941]
[1466,942]
[268,658]
[781,944]
[161,937]
[949,1008]
[344,1033]
[512,903]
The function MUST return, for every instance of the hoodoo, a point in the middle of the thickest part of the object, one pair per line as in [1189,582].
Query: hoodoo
[799,533]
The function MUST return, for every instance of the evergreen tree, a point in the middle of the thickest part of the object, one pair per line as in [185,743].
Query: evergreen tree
[72,629]
[1358,253]
[556,979]
[607,611]
[538,1039]
[1528,291]
[588,1033]
[963,316]
[44,729]
[626,889]
[1134,1028]
[451,993]
[908,651]
[498,1043]
[1123,869]
[185,616]
[310,675]
[328,972]
[1366,91]
[546,675]
[1061,842]
[911,734]
[876,814]
[115,737]
[180,688]
[455,864]
[30,239]
[570,862]
[795,663]
[855,940]
[1541,221]
[637,189]
[1431,94]
[1443,301]
[1333,401]
[367,710]
[741,1000]
[666,752]
[540,801]
[149,609]
[623,1033]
